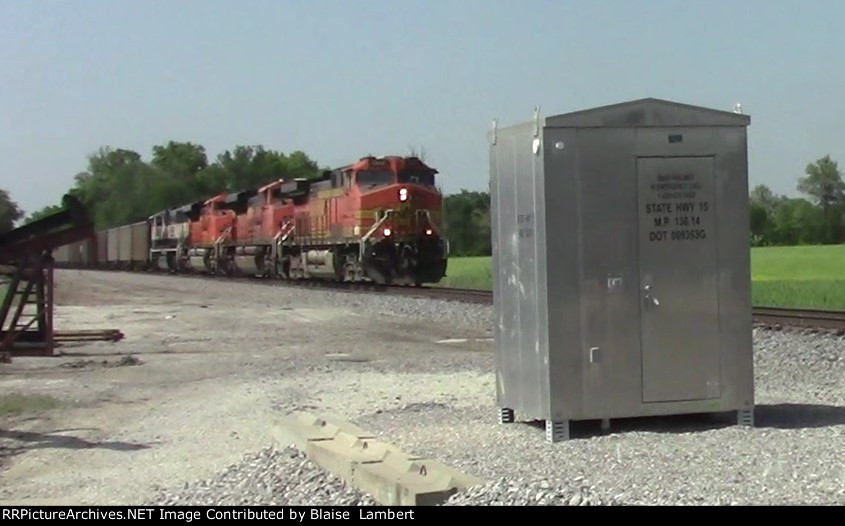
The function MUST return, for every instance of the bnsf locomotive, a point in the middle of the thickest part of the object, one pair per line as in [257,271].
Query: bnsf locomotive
[376,220]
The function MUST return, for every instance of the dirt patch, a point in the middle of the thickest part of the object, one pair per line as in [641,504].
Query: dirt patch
[419,407]
[126,361]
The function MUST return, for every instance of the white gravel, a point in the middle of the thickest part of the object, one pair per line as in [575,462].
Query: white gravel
[793,456]
[520,492]
[269,478]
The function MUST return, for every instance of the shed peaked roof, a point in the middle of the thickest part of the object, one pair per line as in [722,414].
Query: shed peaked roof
[648,112]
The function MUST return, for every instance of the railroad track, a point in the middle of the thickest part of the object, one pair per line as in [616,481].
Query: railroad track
[766,316]
[442,293]
[805,318]
[484,297]
[776,317]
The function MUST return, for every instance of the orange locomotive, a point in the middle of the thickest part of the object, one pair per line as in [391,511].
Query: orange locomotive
[376,220]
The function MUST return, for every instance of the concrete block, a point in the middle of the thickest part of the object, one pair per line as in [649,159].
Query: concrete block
[299,429]
[340,454]
[404,480]
[389,475]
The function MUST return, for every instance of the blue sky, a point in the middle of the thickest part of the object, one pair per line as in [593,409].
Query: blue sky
[342,79]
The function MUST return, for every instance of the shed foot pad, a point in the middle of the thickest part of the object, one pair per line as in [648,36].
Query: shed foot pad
[557,431]
[506,416]
[745,417]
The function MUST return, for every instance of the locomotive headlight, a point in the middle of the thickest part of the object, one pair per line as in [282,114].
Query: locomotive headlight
[428,232]
[403,194]
[386,232]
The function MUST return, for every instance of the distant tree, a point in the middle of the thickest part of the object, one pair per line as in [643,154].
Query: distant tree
[466,219]
[117,187]
[759,224]
[763,196]
[797,222]
[9,212]
[176,179]
[252,166]
[300,165]
[180,159]
[44,212]
[825,186]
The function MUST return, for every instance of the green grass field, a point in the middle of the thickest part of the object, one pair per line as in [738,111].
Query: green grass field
[14,403]
[808,276]
[801,277]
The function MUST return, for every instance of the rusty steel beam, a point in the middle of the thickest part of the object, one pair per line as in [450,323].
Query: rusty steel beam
[112,335]
[74,214]
[46,242]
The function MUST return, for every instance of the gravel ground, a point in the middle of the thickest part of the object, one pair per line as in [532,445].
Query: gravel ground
[792,456]
[270,478]
[420,374]
[520,492]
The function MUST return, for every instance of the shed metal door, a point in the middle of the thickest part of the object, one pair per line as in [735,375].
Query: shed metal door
[678,279]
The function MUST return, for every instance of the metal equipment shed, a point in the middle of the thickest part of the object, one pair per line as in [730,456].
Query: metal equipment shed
[621,264]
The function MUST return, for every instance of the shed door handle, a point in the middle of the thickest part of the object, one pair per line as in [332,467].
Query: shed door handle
[649,296]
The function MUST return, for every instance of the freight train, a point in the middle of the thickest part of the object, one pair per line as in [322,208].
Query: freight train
[376,220]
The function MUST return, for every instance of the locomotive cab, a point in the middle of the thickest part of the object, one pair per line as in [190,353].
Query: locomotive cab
[402,239]
[170,235]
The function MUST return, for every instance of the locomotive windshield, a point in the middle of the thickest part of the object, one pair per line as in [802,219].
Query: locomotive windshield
[416,177]
[373,178]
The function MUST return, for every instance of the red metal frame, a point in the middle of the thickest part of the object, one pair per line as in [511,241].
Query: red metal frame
[31,284]
[27,252]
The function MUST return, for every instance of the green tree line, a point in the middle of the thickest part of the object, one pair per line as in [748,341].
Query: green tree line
[119,187]
[815,220]
[466,220]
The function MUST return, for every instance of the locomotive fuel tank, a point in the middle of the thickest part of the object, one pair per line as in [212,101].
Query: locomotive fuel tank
[319,263]
[250,260]
[160,261]
[199,259]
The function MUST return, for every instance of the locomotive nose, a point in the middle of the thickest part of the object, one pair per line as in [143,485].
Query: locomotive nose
[411,195]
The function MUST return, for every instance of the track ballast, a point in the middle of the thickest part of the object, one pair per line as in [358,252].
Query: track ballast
[770,317]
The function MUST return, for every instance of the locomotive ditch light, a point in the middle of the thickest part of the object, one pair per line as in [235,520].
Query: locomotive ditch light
[386,232]
[403,194]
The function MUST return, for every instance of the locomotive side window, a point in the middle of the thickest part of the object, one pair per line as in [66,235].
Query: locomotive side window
[416,177]
[373,178]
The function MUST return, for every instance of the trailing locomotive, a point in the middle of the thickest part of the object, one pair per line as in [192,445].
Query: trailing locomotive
[376,220]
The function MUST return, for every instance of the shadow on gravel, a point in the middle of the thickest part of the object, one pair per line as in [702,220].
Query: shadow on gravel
[798,416]
[30,440]
[779,416]
[672,424]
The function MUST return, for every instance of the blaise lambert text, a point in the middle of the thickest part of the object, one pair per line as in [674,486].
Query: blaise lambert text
[362,514]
